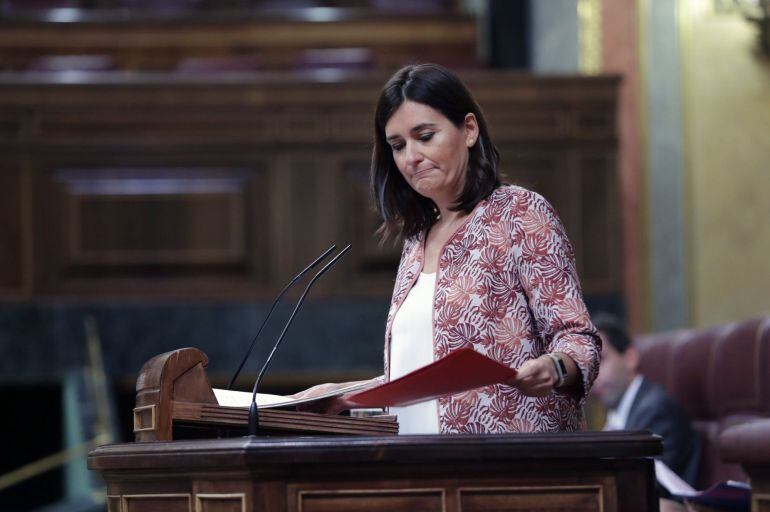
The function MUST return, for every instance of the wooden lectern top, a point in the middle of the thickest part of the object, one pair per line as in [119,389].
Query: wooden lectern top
[333,450]
[173,391]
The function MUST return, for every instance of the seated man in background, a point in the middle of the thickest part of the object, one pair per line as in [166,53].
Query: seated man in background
[635,403]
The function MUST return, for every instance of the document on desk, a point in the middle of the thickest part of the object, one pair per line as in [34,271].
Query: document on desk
[230,398]
[459,371]
[729,495]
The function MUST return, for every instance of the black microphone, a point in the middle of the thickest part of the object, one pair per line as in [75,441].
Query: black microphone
[275,303]
[253,409]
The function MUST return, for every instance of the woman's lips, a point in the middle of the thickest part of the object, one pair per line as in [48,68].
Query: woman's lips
[421,172]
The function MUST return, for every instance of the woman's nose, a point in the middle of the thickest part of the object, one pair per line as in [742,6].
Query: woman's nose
[413,154]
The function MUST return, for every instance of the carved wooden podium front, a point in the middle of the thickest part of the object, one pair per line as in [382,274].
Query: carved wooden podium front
[359,465]
[601,471]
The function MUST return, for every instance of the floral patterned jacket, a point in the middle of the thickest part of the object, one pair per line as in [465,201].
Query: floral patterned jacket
[507,287]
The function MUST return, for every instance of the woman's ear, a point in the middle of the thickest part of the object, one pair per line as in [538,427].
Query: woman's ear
[471,129]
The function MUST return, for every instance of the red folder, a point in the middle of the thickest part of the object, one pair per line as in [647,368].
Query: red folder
[459,371]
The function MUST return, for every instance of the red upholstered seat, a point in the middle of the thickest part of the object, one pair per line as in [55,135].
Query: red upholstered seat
[721,376]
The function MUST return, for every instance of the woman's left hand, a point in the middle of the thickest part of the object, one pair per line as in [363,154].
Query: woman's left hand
[536,377]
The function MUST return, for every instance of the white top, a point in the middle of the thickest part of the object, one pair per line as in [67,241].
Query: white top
[617,418]
[411,347]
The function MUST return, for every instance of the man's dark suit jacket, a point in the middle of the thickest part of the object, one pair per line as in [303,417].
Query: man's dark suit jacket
[653,409]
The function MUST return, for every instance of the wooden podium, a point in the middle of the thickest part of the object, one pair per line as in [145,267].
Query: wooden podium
[599,471]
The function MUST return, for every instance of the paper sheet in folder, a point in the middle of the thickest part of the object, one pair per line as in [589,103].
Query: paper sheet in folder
[459,371]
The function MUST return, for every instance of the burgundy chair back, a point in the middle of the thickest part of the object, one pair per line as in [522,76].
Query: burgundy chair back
[720,375]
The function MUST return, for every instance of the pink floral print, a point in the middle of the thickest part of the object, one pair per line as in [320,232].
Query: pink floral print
[506,287]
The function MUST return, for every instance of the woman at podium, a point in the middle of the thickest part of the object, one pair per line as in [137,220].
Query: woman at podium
[484,265]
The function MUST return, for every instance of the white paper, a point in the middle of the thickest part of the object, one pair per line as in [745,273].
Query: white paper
[229,398]
[672,482]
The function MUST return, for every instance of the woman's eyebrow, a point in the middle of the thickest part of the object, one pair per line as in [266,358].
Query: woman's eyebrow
[422,126]
[416,128]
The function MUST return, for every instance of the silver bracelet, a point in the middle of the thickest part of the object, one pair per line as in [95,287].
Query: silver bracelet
[561,369]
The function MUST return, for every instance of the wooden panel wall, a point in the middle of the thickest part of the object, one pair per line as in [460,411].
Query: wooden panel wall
[270,39]
[174,186]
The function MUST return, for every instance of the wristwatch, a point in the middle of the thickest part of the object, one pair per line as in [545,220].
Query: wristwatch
[561,369]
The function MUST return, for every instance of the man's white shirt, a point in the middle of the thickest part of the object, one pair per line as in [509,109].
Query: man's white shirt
[618,417]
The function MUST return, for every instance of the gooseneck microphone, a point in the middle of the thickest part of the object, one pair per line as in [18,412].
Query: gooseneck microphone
[272,308]
[253,409]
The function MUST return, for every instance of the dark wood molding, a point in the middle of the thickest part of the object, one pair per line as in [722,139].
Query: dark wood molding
[272,39]
[381,449]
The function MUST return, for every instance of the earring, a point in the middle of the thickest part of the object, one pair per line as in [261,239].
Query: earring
[470,142]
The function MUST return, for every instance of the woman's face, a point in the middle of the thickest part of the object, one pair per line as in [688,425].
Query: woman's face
[430,151]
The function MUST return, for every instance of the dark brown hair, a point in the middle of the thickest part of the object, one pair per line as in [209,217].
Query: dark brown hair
[403,211]
[614,331]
